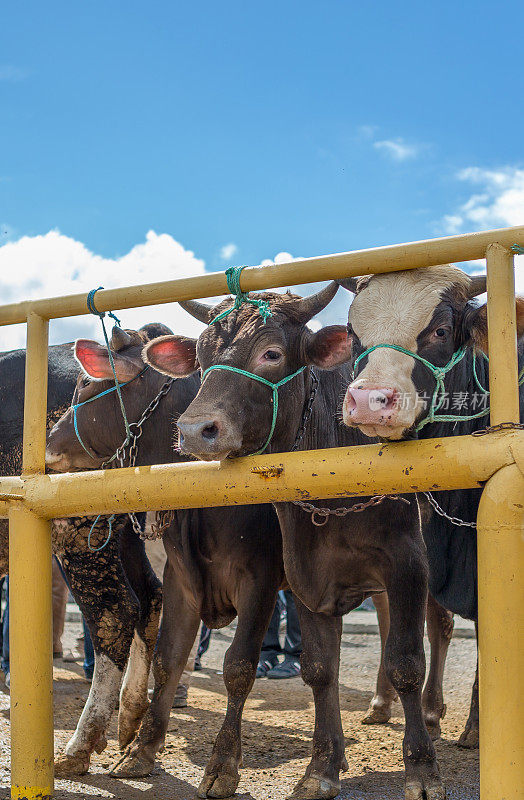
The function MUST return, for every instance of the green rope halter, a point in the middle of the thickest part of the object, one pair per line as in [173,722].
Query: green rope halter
[273,386]
[439,373]
[233,284]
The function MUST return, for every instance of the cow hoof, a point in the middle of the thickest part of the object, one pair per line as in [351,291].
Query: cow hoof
[469,738]
[315,787]
[425,785]
[66,766]
[377,716]
[222,785]
[133,766]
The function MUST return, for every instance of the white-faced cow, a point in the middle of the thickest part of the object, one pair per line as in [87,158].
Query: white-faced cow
[245,358]
[406,329]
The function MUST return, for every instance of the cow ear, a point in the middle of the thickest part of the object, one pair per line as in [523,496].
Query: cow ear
[94,360]
[172,355]
[329,347]
[475,324]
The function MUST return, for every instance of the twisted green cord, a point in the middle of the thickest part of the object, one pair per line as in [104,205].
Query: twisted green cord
[233,284]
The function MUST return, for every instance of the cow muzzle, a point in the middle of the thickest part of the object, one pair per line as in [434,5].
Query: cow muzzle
[209,437]
[378,411]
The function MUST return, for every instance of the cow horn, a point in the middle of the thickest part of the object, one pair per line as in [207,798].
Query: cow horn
[349,283]
[199,311]
[307,307]
[477,285]
[119,339]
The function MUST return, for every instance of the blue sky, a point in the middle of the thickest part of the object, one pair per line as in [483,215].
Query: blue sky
[293,126]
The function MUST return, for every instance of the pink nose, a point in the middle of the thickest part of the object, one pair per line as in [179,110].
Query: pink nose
[370,406]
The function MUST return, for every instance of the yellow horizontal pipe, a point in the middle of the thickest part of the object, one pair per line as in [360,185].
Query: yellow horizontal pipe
[451,463]
[465,247]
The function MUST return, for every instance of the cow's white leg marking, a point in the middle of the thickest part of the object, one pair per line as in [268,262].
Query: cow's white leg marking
[133,695]
[95,717]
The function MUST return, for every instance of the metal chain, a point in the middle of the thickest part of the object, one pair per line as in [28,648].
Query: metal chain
[136,433]
[319,516]
[502,426]
[460,523]
[306,414]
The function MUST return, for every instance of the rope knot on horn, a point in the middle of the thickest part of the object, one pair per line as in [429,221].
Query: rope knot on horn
[233,284]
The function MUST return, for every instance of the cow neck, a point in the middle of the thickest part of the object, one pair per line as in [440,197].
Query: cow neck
[155,445]
[323,428]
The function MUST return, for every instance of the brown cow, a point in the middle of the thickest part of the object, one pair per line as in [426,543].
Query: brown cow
[221,562]
[333,568]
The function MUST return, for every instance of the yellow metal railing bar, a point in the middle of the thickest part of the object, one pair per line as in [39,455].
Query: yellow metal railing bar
[30,612]
[500,543]
[466,247]
[448,463]
[459,462]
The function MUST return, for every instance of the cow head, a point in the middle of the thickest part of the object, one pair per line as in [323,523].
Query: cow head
[232,413]
[99,423]
[430,312]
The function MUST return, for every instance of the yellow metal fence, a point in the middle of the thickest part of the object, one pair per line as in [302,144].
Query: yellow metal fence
[495,461]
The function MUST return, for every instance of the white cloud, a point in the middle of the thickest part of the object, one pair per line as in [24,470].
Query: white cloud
[497,203]
[228,251]
[397,149]
[54,264]
[500,201]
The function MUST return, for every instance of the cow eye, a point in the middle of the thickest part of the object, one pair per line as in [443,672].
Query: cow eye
[271,355]
[441,333]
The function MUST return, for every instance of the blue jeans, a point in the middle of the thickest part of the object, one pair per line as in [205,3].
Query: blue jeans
[4,661]
[271,647]
[89,653]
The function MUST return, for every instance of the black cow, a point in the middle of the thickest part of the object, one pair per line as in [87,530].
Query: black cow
[333,568]
[116,589]
[221,562]
[428,313]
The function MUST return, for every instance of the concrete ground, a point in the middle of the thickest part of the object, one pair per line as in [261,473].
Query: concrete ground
[277,731]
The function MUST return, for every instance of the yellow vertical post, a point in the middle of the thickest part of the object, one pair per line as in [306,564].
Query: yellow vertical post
[502,333]
[31,659]
[501,560]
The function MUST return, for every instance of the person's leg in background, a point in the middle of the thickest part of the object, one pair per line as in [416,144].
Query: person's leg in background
[203,645]
[60,593]
[290,666]
[271,648]
[89,653]
[5,637]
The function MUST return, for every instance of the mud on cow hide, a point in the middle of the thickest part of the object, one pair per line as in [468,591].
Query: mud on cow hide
[115,588]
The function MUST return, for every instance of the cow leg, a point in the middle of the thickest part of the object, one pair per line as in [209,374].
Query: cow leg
[254,607]
[134,693]
[379,711]
[180,621]
[405,666]
[470,735]
[320,659]
[110,609]
[440,630]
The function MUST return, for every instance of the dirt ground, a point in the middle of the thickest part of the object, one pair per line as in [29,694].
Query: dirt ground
[277,732]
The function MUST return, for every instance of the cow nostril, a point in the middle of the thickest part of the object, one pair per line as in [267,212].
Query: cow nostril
[210,432]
